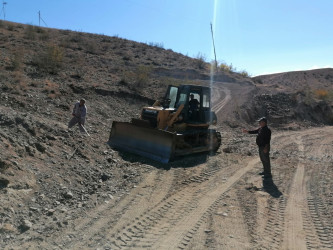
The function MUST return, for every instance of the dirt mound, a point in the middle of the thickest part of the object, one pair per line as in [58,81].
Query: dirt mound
[283,109]
[305,97]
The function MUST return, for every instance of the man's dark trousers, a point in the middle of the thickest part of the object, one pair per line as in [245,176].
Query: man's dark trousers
[264,157]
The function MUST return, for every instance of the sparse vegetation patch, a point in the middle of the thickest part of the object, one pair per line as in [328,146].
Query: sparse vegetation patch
[50,60]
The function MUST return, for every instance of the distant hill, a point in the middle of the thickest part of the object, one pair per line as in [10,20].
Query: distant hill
[298,96]
[317,79]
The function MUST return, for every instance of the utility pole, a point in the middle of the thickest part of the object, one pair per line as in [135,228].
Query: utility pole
[211,28]
[3,10]
[40,18]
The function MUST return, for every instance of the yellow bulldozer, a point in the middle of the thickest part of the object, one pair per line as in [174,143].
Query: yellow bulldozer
[176,126]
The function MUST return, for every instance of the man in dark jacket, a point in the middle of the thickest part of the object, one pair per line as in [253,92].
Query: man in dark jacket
[263,141]
[194,105]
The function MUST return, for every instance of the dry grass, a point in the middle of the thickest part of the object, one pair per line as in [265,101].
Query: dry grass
[201,61]
[142,75]
[16,60]
[52,89]
[49,60]
[321,94]
[29,32]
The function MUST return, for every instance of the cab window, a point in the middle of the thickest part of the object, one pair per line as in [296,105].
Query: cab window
[206,99]
[173,96]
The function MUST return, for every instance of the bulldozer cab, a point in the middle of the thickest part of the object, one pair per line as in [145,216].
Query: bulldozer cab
[196,100]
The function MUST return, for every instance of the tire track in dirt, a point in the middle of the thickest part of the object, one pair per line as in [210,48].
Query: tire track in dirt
[318,235]
[221,103]
[203,203]
[177,201]
[270,222]
[88,230]
[216,95]
[162,217]
[270,237]
[294,234]
[318,224]
[319,191]
[307,224]
[133,210]
[149,228]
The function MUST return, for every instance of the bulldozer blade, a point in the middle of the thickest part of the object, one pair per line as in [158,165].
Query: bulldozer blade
[152,143]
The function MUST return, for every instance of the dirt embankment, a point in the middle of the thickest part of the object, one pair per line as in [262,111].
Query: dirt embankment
[304,97]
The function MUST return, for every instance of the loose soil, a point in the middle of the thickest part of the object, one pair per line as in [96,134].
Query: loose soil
[220,203]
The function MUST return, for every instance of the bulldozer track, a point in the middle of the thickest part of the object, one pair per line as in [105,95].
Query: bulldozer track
[268,235]
[293,227]
[99,220]
[320,211]
[181,226]
[318,223]
[166,219]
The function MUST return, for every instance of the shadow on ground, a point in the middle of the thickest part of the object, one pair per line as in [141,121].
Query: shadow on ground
[179,162]
[270,187]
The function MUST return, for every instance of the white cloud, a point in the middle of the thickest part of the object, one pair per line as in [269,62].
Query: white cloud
[318,67]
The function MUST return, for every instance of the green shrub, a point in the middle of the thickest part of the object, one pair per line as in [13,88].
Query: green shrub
[200,61]
[157,45]
[244,73]
[138,79]
[225,67]
[50,60]
[142,75]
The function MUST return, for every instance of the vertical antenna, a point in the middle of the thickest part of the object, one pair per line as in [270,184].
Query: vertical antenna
[40,18]
[211,28]
[3,10]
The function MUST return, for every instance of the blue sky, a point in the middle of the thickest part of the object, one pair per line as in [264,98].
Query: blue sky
[259,36]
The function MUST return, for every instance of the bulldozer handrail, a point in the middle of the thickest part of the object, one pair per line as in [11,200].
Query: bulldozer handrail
[175,115]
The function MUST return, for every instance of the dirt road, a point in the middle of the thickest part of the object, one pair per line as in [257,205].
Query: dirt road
[219,99]
[222,203]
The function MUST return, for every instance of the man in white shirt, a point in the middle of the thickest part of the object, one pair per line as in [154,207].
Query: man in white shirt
[79,115]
